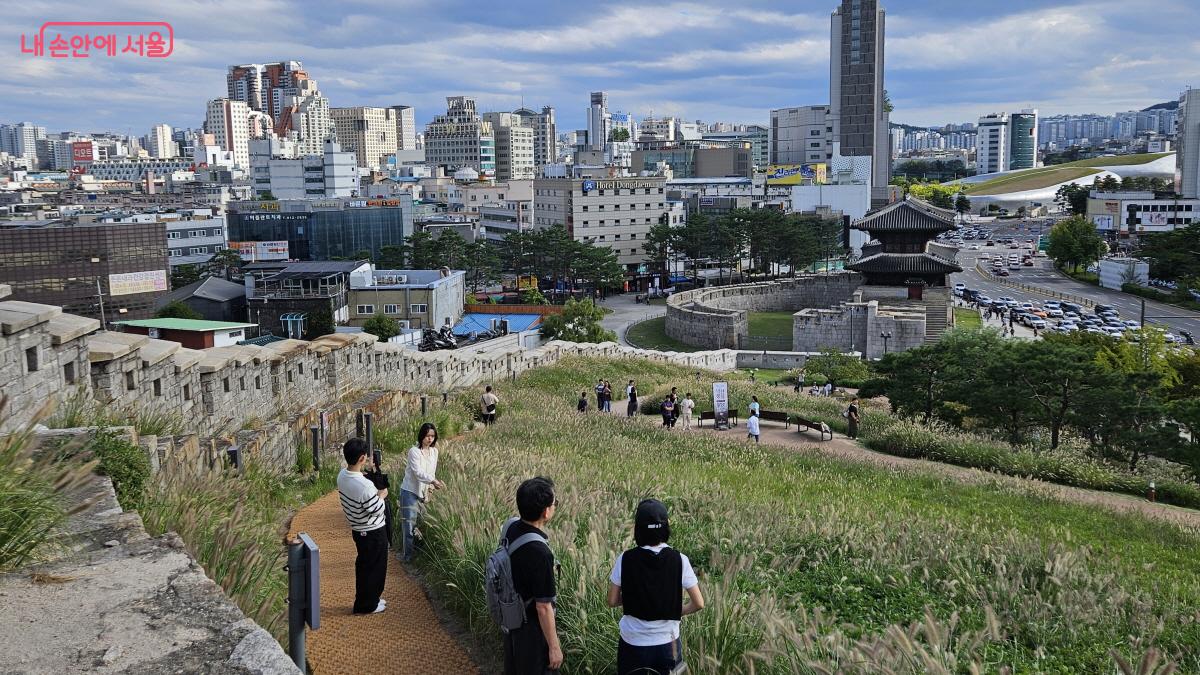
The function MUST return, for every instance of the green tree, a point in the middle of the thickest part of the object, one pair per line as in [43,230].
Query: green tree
[1058,372]
[620,135]
[691,240]
[533,296]
[579,322]
[225,263]
[658,248]
[390,257]
[1172,255]
[422,251]
[838,368]
[598,266]
[177,310]
[382,327]
[941,196]
[962,204]
[320,322]
[182,275]
[451,250]
[1075,242]
[481,261]
[266,196]
[1073,197]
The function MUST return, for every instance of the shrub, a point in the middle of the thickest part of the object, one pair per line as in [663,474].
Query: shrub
[125,464]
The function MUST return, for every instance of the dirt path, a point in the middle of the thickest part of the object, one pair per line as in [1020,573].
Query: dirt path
[845,448]
[406,638]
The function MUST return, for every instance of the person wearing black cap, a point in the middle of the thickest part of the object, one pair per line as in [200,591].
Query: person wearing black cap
[648,582]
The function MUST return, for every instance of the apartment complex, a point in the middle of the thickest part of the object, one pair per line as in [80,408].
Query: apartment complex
[617,213]
[1007,141]
[1187,148]
[406,127]
[160,142]
[263,87]
[514,146]
[545,136]
[228,121]
[275,169]
[461,138]
[370,133]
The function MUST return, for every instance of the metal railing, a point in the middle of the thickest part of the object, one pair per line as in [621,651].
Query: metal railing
[1033,289]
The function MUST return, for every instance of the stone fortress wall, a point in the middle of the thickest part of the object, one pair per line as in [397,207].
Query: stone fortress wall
[716,317]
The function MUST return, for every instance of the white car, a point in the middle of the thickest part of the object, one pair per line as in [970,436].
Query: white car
[1037,322]
[1051,304]
[1053,312]
[959,288]
[983,300]
[974,247]
[1027,307]
[1113,331]
[1132,325]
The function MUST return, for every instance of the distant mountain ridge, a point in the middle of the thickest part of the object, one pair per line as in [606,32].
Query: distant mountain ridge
[1169,105]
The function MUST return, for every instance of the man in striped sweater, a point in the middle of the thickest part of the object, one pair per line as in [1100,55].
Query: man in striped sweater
[363,504]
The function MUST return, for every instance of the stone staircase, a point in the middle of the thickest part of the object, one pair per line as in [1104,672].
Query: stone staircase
[935,320]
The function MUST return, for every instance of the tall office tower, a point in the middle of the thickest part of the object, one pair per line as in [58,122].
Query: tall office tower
[992,152]
[229,123]
[514,145]
[1187,145]
[161,142]
[461,138]
[1023,139]
[598,121]
[263,87]
[857,101]
[544,151]
[368,132]
[304,117]
[406,127]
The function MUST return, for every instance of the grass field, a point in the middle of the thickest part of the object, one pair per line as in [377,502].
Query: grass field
[1033,179]
[652,334]
[771,324]
[809,564]
[965,317]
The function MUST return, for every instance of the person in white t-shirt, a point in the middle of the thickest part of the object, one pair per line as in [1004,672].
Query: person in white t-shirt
[648,583]
[685,410]
[752,429]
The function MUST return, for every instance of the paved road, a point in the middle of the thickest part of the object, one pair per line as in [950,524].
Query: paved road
[626,312]
[1043,275]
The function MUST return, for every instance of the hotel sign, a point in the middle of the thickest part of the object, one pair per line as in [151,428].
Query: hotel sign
[621,184]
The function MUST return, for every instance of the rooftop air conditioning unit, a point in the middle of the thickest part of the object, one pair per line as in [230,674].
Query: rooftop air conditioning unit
[402,323]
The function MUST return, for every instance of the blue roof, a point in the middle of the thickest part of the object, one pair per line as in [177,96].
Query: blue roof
[476,323]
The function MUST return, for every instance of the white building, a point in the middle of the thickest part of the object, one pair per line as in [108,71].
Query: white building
[20,140]
[544,138]
[406,127]
[331,174]
[992,143]
[801,135]
[853,200]
[497,221]
[661,129]
[305,118]
[1187,145]
[514,146]
[136,169]
[229,123]
[161,142]
[461,138]
[471,197]
[368,132]
[598,120]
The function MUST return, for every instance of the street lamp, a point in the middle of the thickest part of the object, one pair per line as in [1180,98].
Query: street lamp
[886,336]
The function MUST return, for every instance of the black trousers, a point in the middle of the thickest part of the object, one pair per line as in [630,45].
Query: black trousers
[656,660]
[370,568]
[526,651]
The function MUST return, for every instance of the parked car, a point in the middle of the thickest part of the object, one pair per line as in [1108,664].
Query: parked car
[1114,322]
[1002,272]
[1051,304]
[1072,307]
[1132,324]
[1037,322]
[1053,312]
[1113,331]
[1027,263]
[1100,309]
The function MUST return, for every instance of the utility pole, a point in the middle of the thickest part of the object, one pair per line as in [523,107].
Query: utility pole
[100,296]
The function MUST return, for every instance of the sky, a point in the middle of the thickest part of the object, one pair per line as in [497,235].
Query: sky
[947,60]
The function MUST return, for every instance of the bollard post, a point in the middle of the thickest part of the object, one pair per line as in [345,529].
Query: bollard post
[358,423]
[315,431]
[297,572]
[424,405]
[1153,494]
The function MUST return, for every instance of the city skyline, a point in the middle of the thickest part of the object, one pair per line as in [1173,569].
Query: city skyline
[666,60]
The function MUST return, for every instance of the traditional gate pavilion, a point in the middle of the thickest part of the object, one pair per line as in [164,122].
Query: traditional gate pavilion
[897,254]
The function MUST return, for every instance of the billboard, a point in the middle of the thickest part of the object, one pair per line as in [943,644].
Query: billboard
[81,151]
[257,251]
[137,282]
[1103,222]
[720,397]
[796,174]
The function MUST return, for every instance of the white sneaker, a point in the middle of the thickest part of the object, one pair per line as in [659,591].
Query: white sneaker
[380,607]
[383,602]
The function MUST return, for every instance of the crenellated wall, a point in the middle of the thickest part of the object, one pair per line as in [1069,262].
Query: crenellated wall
[856,327]
[716,317]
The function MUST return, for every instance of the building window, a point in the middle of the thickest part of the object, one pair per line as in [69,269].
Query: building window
[225,384]
[366,309]
[173,235]
[198,250]
[130,381]
[258,381]
[289,376]
[31,359]
[158,386]
[418,308]
[69,372]
[391,309]
[300,368]
[242,383]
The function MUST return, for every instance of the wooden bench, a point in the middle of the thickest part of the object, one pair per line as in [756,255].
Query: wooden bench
[711,415]
[775,416]
[810,425]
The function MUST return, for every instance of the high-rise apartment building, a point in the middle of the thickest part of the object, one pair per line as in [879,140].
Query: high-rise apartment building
[1187,145]
[275,168]
[20,140]
[263,87]
[368,132]
[991,144]
[1023,139]
[461,138]
[406,127]
[858,107]
[656,129]
[304,117]
[514,146]
[162,145]
[544,134]
[229,123]
[598,121]
[801,135]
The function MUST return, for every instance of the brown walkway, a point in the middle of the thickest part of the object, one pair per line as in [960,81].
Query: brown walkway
[406,638]
[845,448]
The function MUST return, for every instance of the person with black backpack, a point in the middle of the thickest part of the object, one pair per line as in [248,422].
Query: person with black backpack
[520,585]
[648,583]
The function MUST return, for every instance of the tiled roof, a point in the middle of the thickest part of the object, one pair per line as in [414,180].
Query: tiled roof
[910,214]
[907,263]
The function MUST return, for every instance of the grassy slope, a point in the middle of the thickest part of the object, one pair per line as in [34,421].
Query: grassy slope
[965,317]
[1032,179]
[652,334]
[775,535]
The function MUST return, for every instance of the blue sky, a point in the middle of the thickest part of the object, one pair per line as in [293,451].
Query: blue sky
[948,60]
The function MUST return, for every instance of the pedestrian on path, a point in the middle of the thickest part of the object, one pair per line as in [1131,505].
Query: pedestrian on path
[685,410]
[852,418]
[582,406]
[668,412]
[632,404]
[363,506]
[648,582]
[607,396]
[754,405]
[487,404]
[600,394]
[533,649]
[752,429]
[420,476]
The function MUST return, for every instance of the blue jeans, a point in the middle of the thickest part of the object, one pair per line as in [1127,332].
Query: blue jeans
[656,660]
[410,511]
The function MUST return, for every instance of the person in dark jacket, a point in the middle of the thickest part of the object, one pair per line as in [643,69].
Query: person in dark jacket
[648,583]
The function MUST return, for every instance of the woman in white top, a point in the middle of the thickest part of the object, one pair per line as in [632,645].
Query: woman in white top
[648,583]
[419,477]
